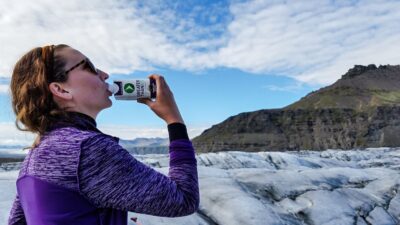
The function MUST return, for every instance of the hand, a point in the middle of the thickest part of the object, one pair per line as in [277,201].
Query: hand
[164,106]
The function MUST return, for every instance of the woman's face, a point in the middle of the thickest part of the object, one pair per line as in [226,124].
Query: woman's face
[87,90]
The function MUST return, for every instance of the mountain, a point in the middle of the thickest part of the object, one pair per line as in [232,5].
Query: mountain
[141,146]
[361,88]
[360,110]
[144,142]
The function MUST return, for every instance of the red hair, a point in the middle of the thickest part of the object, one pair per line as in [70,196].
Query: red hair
[32,100]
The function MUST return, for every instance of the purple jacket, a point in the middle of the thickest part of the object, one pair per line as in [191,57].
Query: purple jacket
[78,175]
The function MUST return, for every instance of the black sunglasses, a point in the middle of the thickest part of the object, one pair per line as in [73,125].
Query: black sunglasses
[87,65]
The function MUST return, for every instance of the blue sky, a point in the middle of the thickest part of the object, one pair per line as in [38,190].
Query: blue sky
[220,58]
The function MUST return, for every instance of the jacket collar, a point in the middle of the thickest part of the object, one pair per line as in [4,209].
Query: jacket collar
[78,120]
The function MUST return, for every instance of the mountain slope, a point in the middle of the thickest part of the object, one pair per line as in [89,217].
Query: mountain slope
[361,88]
[362,109]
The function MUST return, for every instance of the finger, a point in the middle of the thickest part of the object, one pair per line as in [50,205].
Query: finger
[145,101]
[158,78]
[155,76]
[161,84]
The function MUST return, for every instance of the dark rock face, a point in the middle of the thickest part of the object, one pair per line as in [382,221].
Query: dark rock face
[357,70]
[360,110]
[276,130]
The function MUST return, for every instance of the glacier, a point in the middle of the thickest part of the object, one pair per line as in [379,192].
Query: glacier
[303,187]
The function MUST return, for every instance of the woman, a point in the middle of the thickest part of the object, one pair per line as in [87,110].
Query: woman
[75,174]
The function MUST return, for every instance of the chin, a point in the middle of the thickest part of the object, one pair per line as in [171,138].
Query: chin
[109,103]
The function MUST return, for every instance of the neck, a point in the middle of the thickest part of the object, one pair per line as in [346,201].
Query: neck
[86,112]
[77,119]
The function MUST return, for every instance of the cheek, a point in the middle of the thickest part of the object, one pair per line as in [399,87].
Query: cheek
[98,88]
[88,90]
[93,84]
[97,91]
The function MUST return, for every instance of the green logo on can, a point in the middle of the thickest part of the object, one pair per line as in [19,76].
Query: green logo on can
[129,88]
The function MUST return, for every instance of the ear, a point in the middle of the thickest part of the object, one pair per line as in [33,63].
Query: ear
[58,90]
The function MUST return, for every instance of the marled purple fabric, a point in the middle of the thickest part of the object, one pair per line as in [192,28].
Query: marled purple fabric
[82,159]
[74,209]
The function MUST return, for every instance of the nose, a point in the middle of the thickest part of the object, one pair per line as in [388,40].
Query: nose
[103,75]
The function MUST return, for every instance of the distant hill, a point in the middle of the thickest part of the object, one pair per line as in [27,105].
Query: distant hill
[138,146]
[142,146]
[361,109]
[145,142]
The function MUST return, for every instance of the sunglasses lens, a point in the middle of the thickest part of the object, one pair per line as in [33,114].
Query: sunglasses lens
[91,67]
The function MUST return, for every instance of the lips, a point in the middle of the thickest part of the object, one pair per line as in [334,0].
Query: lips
[108,90]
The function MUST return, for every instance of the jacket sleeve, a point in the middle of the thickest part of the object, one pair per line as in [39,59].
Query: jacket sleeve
[17,216]
[110,177]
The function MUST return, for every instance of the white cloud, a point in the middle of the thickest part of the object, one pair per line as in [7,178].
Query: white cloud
[115,36]
[312,41]
[4,89]
[4,85]
[10,135]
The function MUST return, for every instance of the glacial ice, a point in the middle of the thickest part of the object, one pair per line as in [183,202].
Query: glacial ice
[304,187]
